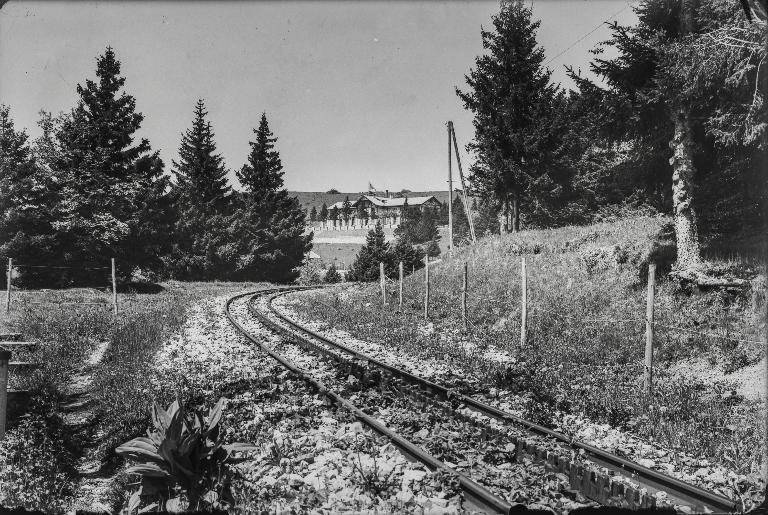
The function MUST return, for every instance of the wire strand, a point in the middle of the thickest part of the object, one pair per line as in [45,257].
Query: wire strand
[710,335]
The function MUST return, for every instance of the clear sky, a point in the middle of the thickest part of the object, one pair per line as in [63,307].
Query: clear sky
[355,91]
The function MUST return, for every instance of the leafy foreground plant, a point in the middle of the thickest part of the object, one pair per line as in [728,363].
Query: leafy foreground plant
[182,463]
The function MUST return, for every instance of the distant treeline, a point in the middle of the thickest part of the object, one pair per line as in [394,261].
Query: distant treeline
[87,190]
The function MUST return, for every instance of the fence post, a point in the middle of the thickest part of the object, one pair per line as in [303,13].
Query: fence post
[8,293]
[464,297]
[400,271]
[382,280]
[524,304]
[648,370]
[114,288]
[426,287]
[5,357]
[765,374]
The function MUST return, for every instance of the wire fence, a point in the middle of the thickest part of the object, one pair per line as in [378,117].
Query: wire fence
[13,266]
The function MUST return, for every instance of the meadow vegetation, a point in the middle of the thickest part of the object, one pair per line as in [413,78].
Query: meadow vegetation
[584,352]
[40,452]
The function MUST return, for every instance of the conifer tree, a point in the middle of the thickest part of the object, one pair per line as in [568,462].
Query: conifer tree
[510,96]
[324,212]
[346,209]
[412,257]
[460,222]
[26,231]
[266,237]
[263,172]
[201,176]
[111,194]
[332,275]
[313,214]
[376,250]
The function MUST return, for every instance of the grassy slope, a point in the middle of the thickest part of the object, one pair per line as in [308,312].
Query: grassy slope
[586,333]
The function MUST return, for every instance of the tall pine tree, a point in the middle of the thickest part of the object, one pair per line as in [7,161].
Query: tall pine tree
[376,250]
[26,231]
[201,177]
[267,231]
[509,94]
[111,189]
[263,172]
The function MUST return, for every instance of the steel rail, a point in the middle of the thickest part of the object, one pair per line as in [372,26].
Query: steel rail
[477,492]
[699,498]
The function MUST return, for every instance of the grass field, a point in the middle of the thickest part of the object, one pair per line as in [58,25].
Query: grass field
[586,334]
[39,454]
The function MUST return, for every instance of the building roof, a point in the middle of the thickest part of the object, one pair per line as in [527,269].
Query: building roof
[385,201]
[397,201]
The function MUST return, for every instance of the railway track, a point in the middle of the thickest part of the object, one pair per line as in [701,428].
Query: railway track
[485,430]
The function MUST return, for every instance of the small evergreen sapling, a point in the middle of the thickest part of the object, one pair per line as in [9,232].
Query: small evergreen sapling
[332,275]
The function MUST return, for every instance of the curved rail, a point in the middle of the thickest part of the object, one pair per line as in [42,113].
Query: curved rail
[476,492]
[678,491]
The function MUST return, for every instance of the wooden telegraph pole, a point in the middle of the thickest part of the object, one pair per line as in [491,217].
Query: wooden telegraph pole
[450,193]
[648,369]
[465,199]
[400,271]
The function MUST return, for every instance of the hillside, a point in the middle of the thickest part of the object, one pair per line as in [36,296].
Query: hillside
[586,334]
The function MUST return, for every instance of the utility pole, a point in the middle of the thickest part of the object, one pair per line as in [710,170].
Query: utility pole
[450,193]
[465,199]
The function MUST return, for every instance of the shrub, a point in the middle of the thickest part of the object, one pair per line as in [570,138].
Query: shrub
[182,462]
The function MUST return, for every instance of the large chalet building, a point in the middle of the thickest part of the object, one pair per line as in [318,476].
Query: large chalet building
[368,209]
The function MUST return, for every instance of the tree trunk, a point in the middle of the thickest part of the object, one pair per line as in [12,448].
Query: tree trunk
[686,230]
[504,223]
[516,212]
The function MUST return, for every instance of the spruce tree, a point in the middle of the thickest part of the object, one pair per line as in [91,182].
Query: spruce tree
[267,240]
[263,172]
[201,177]
[346,209]
[324,212]
[313,214]
[332,275]
[412,257]
[460,222]
[111,193]
[26,230]
[376,250]
[510,96]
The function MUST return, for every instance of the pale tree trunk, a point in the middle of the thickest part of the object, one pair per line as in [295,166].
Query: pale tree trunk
[686,230]
[504,225]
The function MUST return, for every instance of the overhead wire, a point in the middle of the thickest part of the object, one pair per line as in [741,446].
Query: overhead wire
[585,36]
